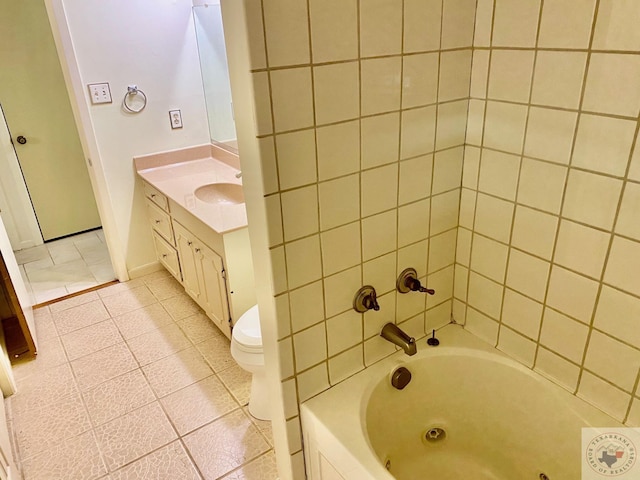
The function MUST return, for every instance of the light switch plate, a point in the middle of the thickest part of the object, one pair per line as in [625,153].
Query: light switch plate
[100,93]
[175,117]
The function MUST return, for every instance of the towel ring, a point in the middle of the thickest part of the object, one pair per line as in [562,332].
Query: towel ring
[132,91]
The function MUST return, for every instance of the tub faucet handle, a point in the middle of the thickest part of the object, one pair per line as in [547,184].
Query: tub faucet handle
[408,282]
[366,299]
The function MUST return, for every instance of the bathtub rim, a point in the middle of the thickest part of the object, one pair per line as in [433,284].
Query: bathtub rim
[342,432]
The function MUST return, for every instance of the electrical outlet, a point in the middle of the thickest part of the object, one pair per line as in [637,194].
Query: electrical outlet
[100,93]
[175,117]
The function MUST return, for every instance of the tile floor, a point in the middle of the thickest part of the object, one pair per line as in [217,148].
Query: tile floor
[65,266]
[132,381]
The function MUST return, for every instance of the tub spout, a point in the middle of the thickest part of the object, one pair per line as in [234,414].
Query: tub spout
[395,335]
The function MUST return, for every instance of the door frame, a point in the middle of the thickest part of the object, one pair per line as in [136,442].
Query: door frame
[20,219]
[73,80]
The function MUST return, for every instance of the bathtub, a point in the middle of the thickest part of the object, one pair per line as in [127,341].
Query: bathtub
[469,412]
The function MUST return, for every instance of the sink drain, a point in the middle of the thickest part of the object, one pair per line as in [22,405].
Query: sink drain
[435,434]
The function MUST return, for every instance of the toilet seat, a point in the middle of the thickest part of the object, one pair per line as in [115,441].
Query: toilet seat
[246,332]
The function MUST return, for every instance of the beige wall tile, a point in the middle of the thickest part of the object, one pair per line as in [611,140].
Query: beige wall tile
[623,265]
[422,25]
[312,382]
[463,248]
[616,315]
[413,222]
[534,232]
[558,79]
[380,85]
[451,124]
[517,346]
[307,306]
[475,122]
[418,131]
[541,185]
[334,30]
[378,234]
[521,313]
[460,282]
[504,126]
[296,158]
[310,347]
[339,290]
[381,272]
[628,222]
[300,212]
[279,270]
[379,189]
[516,23]
[447,170]
[613,360]
[466,217]
[442,250]
[611,400]
[458,18]
[380,27]
[550,134]
[338,149]
[479,73]
[511,73]
[263,122]
[563,335]
[340,248]
[484,23]
[415,179]
[420,80]
[339,201]
[269,165]
[380,139]
[617,26]
[471,167]
[527,274]
[255,27]
[589,257]
[337,92]
[274,219]
[572,294]
[566,23]
[591,198]
[287,32]
[292,98]
[499,174]
[455,75]
[557,369]
[489,258]
[611,84]
[346,364]
[603,144]
[482,326]
[444,211]
[634,168]
[485,295]
[493,217]
[303,261]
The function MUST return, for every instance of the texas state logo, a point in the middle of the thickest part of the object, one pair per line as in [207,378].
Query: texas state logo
[610,454]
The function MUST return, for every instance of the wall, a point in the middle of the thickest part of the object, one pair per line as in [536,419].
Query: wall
[549,240]
[360,114]
[152,45]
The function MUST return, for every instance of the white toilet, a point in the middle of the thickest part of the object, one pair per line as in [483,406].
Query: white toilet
[246,350]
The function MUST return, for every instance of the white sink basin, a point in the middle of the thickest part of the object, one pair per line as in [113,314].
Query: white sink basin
[220,193]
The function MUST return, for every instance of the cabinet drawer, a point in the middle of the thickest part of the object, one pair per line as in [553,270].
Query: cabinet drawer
[156,197]
[168,256]
[160,221]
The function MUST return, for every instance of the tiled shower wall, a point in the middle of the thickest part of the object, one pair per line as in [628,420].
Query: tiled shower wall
[548,259]
[361,116]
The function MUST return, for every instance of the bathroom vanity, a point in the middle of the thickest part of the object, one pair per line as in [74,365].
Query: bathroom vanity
[195,206]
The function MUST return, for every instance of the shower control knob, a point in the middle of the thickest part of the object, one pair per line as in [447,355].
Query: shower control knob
[408,282]
[21,140]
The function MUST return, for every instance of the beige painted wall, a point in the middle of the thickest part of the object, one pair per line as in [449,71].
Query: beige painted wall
[36,104]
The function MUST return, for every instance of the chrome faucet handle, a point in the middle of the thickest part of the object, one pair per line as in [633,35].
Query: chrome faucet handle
[366,299]
[408,282]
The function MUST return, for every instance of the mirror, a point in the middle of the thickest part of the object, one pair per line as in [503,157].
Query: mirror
[215,74]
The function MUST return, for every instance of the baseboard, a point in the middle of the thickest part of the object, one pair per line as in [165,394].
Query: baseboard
[145,269]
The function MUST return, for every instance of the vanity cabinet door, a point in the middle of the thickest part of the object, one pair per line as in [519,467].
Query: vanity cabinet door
[188,261]
[212,286]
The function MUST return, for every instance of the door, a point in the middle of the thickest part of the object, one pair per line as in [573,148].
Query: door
[37,108]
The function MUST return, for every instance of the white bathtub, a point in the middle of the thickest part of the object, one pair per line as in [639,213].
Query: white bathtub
[501,420]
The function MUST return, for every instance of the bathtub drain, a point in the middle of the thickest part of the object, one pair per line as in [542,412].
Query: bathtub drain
[435,434]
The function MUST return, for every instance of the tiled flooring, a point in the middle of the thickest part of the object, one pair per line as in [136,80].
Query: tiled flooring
[65,266]
[132,381]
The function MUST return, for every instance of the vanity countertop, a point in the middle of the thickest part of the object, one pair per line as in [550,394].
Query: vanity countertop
[177,174]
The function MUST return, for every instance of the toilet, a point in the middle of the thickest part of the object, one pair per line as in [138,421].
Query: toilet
[246,350]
